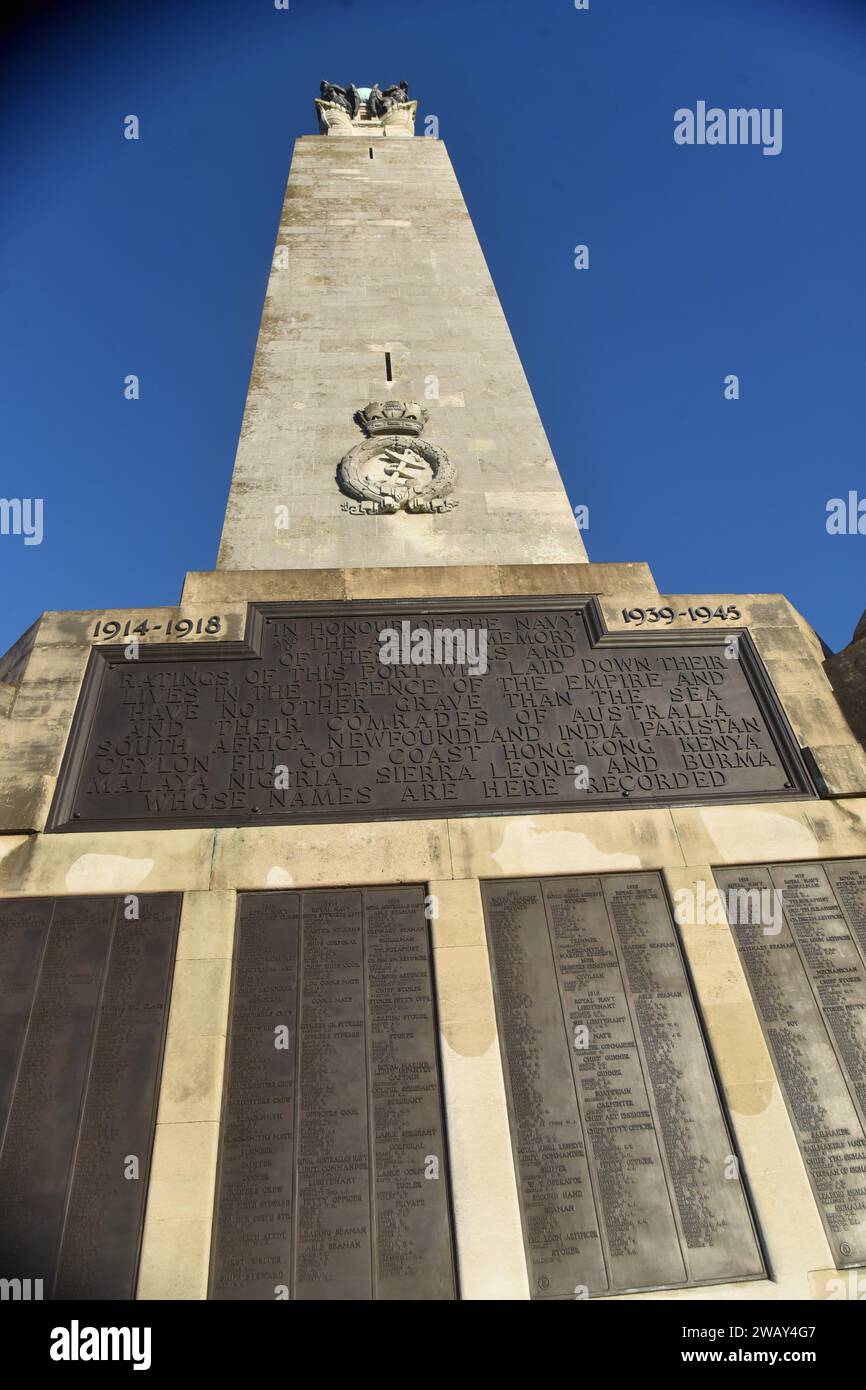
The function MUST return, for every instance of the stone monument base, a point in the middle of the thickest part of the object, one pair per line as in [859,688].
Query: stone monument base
[454,862]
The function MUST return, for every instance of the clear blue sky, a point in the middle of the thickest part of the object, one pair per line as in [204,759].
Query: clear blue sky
[152,257]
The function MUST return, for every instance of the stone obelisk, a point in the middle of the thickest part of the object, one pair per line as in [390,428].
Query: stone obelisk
[379,290]
[419,910]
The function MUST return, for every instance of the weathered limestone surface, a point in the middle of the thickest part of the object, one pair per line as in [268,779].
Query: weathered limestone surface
[374,256]
[847,673]
[176,1248]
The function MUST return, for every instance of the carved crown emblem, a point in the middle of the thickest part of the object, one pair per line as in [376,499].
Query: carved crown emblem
[387,472]
[392,417]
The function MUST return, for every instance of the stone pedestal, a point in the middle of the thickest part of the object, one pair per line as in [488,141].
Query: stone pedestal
[450,857]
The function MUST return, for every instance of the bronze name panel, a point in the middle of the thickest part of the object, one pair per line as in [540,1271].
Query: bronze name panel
[626,1171]
[333,1175]
[84,993]
[525,706]
[800,931]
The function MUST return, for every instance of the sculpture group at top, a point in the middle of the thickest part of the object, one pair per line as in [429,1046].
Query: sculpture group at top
[343,110]
[378,103]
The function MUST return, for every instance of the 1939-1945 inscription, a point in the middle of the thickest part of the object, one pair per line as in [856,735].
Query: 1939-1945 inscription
[332,1179]
[805,961]
[307,721]
[626,1172]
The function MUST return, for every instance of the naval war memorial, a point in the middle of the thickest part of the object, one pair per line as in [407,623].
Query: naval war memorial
[419,909]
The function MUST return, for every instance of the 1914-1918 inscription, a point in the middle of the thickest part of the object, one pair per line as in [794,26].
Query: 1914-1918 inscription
[332,1181]
[84,991]
[626,1172]
[805,962]
[308,721]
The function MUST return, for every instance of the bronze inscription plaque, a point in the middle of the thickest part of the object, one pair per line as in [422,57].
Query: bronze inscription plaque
[501,706]
[626,1172]
[333,1177]
[801,933]
[84,992]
